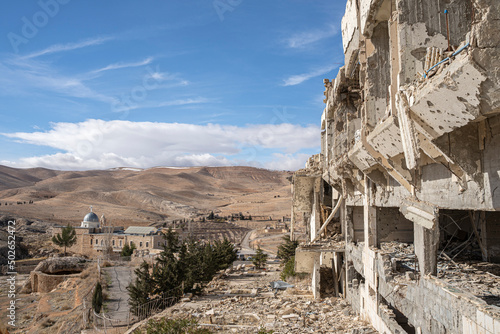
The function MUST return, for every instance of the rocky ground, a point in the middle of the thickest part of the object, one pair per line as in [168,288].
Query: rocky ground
[58,312]
[241,302]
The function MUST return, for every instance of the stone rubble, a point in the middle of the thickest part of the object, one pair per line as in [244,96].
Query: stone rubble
[481,279]
[227,307]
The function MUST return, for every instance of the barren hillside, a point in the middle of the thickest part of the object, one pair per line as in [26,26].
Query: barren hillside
[129,196]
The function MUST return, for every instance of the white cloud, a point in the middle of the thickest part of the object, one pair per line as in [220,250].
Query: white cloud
[300,78]
[303,39]
[287,161]
[68,47]
[98,144]
[120,65]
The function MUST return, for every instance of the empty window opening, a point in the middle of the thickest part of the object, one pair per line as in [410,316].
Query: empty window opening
[400,318]
[468,255]
[358,224]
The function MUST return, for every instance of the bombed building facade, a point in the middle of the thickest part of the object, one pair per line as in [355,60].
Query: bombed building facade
[402,205]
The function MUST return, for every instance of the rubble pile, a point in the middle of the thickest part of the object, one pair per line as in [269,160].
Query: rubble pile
[481,279]
[402,255]
[240,301]
[337,241]
[281,314]
[327,281]
[470,278]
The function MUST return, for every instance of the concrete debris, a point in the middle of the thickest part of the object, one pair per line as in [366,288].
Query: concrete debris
[290,311]
[282,315]
[474,278]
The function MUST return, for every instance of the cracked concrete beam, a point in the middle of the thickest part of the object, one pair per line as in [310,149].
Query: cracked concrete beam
[386,138]
[408,137]
[419,212]
[449,100]
[433,152]
[395,171]
[360,157]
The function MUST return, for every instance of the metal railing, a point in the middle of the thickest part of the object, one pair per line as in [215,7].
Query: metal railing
[153,306]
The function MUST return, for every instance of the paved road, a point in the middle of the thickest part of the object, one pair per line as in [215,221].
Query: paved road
[117,303]
[245,244]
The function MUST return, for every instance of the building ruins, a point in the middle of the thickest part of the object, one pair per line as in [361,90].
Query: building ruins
[401,208]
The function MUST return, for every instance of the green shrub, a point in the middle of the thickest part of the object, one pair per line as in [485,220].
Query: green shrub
[259,259]
[262,330]
[97,298]
[287,249]
[288,269]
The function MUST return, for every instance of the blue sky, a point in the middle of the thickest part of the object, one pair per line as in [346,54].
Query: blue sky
[121,83]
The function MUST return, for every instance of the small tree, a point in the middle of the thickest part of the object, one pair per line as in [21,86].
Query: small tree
[141,289]
[97,298]
[128,250]
[287,249]
[66,238]
[288,269]
[224,254]
[259,259]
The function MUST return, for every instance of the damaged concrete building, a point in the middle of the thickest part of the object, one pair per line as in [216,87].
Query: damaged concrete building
[402,205]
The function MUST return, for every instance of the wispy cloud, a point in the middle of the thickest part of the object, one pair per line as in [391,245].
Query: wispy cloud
[25,76]
[107,144]
[120,65]
[172,103]
[68,47]
[300,78]
[304,39]
[182,102]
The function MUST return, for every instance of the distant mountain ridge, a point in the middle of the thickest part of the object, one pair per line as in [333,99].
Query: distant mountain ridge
[134,196]
[15,178]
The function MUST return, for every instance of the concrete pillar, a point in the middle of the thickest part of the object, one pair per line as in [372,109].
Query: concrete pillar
[316,276]
[315,212]
[348,223]
[370,217]
[426,243]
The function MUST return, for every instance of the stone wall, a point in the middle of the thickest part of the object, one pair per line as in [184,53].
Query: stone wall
[44,283]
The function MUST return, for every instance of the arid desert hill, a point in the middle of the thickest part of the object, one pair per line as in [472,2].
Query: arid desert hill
[133,196]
